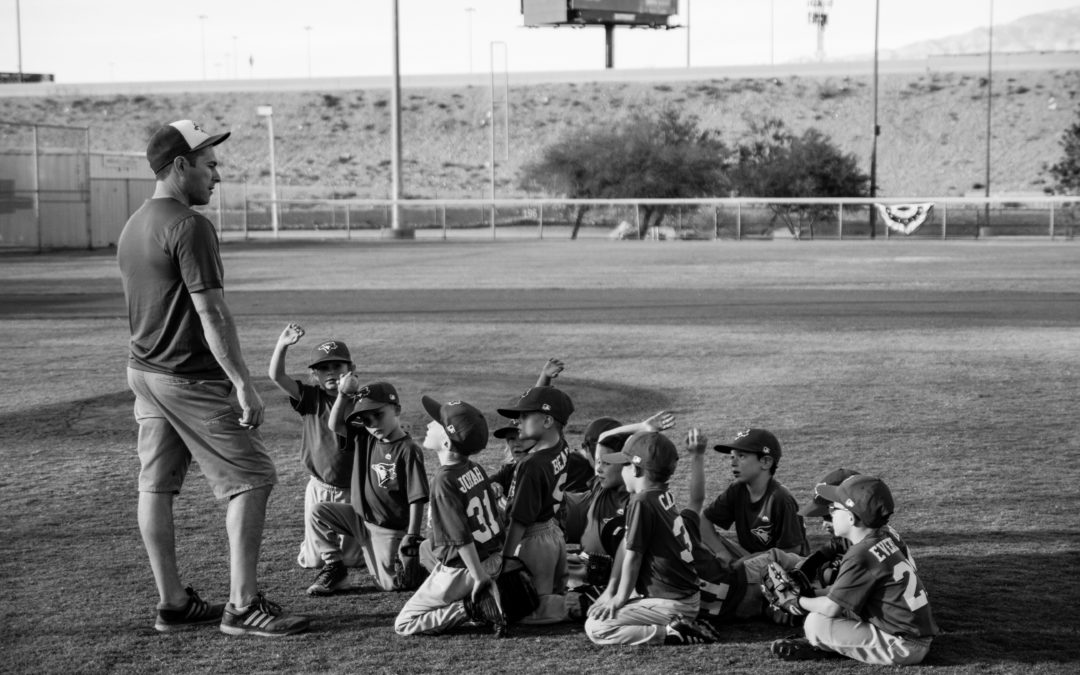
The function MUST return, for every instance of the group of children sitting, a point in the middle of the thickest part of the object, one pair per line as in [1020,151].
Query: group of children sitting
[597,527]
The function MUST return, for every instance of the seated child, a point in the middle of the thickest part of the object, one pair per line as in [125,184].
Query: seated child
[652,596]
[877,610]
[466,537]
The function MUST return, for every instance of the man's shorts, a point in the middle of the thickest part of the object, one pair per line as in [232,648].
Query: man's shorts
[181,419]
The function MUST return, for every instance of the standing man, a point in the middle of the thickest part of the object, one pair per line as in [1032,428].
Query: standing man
[194,396]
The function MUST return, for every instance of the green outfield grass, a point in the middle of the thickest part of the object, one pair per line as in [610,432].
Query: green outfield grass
[949,369]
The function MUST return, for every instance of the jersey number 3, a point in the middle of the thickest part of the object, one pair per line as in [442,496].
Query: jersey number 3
[482,518]
[912,596]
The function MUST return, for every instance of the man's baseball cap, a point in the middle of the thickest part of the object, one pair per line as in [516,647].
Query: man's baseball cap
[465,425]
[509,431]
[176,139]
[615,442]
[328,351]
[547,400]
[867,497]
[757,441]
[651,450]
[819,506]
[597,427]
[374,396]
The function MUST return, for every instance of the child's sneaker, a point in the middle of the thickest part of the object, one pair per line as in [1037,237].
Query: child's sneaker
[261,617]
[197,612]
[797,648]
[330,579]
[680,632]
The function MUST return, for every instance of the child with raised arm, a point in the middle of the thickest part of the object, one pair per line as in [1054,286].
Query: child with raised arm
[763,511]
[655,559]
[466,537]
[877,610]
[389,487]
[321,450]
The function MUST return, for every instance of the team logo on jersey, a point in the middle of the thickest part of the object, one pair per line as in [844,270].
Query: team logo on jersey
[387,473]
[849,503]
[761,533]
[451,429]
[387,455]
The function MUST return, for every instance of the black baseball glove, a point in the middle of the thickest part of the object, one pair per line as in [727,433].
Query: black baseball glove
[408,572]
[782,589]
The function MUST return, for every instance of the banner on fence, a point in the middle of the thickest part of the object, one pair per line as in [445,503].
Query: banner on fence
[904,218]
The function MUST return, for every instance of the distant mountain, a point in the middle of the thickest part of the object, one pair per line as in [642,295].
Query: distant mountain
[1049,31]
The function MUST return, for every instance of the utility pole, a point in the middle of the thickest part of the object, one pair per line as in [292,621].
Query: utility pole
[202,25]
[877,129]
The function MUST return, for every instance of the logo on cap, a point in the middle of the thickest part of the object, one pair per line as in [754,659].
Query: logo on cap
[363,392]
[636,459]
[451,429]
[545,407]
[326,347]
[849,503]
[742,434]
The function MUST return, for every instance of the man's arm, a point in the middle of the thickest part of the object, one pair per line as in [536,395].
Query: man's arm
[416,517]
[822,605]
[514,533]
[695,447]
[549,372]
[290,336]
[661,421]
[220,331]
[471,557]
[340,410]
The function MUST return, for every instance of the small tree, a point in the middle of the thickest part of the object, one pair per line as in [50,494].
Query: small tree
[777,163]
[1066,172]
[661,155]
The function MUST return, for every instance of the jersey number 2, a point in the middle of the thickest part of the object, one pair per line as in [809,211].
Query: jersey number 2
[912,596]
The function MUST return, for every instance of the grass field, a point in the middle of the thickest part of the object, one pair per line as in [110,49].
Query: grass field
[949,369]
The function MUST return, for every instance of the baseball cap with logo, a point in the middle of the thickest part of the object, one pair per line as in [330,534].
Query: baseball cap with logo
[374,396]
[547,400]
[328,351]
[756,441]
[176,139]
[650,450]
[867,497]
[819,506]
[465,425]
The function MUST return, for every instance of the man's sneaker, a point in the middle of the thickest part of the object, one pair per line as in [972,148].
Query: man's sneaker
[331,579]
[197,612]
[680,632]
[261,617]
[796,648]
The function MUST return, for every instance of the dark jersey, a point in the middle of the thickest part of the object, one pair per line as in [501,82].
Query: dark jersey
[322,452]
[536,491]
[878,583]
[603,505]
[579,473]
[386,477]
[771,522]
[167,252]
[463,511]
[655,529]
[721,588]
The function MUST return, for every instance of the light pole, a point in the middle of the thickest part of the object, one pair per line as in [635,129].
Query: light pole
[989,106]
[268,112]
[18,36]
[202,26]
[307,29]
[506,121]
[772,32]
[470,11]
[235,71]
[395,130]
[877,129]
[687,33]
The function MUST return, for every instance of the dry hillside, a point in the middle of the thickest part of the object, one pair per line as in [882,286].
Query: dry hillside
[337,143]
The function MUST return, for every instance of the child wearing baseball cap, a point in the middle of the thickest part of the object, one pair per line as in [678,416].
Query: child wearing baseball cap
[877,610]
[654,560]
[321,454]
[536,494]
[388,487]
[763,511]
[466,536]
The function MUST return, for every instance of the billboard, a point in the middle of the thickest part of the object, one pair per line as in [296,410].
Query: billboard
[579,12]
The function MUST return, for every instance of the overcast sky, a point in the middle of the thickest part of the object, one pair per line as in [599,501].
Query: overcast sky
[137,40]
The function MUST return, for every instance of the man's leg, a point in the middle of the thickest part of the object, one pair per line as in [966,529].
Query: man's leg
[159,538]
[244,521]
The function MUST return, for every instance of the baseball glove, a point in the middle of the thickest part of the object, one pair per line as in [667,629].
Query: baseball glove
[408,572]
[782,590]
[487,610]
[597,569]
[516,590]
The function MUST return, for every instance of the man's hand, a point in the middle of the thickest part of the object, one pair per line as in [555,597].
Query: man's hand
[605,607]
[252,405]
[291,335]
[660,421]
[696,442]
[481,585]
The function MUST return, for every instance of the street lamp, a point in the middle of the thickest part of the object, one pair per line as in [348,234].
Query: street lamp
[268,112]
[470,11]
[18,37]
[202,26]
[307,29]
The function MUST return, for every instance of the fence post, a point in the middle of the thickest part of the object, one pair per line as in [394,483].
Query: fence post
[637,220]
[715,222]
[840,218]
[541,227]
[246,206]
[442,221]
[738,222]
[88,196]
[1051,220]
[37,194]
[944,220]
[348,223]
